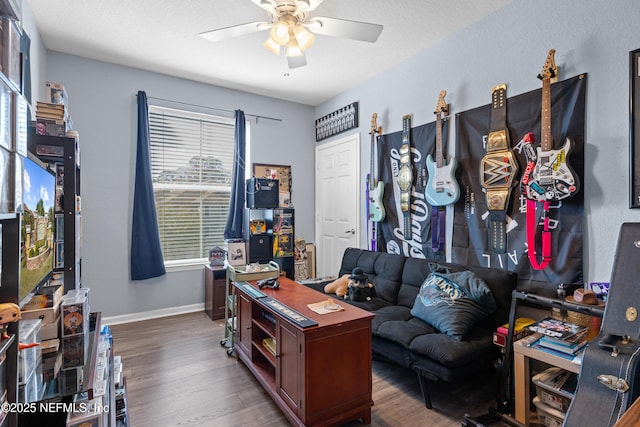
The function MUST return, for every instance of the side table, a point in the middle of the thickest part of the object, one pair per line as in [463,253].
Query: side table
[214,291]
[521,374]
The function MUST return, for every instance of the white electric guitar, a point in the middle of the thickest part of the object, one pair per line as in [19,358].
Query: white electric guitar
[548,176]
[442,188]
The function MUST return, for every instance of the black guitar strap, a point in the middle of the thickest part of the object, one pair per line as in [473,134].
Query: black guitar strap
[498,170]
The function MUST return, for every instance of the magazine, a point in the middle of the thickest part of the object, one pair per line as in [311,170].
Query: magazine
[559,331]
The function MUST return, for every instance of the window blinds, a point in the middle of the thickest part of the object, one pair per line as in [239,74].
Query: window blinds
[192,165]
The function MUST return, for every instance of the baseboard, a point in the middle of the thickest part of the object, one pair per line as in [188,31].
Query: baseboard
[153,314]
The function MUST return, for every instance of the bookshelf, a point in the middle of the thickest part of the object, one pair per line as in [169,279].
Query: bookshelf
[522,354]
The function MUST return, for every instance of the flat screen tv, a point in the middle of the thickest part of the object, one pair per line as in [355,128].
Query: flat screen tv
[37,226]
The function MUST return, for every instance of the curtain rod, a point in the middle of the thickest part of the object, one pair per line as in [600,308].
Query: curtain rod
[213,108]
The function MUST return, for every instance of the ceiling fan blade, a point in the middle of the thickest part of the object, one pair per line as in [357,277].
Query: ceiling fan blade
[268,5]
[343,28]
[308,5]
[297,61]
[235,31]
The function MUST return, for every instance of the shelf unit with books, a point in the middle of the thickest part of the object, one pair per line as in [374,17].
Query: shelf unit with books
[524,351]
[273,239]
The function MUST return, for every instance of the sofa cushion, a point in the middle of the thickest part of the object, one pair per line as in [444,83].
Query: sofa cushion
[453,303]
[374,304]
[429,350]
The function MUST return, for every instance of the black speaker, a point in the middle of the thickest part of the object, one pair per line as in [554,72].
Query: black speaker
[260,248]
[262,193]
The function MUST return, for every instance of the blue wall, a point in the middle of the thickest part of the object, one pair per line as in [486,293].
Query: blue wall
[510,46]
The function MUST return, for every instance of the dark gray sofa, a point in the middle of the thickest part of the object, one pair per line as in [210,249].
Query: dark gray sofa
[400,338]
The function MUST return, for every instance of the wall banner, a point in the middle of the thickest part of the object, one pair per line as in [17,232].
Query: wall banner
[470,244]
[391,236]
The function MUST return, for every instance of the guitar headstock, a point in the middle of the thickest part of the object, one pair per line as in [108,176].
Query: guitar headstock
[441,106]
[374,124]
[549,69]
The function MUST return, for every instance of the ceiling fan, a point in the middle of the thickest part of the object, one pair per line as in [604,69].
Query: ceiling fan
[292,31]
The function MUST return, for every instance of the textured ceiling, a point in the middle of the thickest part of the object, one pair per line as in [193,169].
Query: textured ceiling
[163,36]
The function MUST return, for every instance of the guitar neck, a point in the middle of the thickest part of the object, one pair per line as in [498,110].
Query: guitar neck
[372,177]
[546,143]
[439,155]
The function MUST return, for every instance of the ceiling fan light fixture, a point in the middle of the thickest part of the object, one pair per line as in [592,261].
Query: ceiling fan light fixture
[293,49]
[304,38]
[280,33]
[272,46]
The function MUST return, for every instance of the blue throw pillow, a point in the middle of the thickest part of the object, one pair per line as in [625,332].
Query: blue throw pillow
[453,302]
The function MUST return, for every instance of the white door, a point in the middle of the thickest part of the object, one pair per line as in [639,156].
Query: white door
[337,202]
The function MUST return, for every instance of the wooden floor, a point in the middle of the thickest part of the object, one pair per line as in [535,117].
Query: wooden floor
[178,374]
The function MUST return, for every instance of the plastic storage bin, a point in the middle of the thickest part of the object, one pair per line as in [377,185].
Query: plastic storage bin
[28,358]
[555,387]
[548,416]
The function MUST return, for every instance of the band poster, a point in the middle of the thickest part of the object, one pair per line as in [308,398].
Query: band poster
[470,242]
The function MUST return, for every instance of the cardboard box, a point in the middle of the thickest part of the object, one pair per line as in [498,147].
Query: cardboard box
[51,330]
[46,315]
[45,297]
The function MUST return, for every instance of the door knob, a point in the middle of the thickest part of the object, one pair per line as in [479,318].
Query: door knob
[352,231]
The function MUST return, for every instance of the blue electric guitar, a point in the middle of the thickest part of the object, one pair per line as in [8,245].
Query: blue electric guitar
[442,188]
[375,187]
[548,176]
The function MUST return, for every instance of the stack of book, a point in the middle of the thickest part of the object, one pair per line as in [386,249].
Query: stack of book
[520,330]
[559,337]
[51,119]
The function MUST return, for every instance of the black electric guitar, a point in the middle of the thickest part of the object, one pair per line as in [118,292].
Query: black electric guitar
[548,176]
[376,188]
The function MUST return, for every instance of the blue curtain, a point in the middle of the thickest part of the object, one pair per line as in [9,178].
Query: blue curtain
[235,218]
[146,251]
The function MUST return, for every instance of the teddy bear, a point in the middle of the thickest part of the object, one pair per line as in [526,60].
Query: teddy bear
[338,286]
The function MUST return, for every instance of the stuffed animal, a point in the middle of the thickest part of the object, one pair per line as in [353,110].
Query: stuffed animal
[359,288]
[338,286]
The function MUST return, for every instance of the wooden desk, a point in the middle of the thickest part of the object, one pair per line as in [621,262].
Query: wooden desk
[301,375]
[522,373]
[631,418]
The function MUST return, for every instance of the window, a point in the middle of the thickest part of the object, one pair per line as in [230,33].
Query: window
[192,167]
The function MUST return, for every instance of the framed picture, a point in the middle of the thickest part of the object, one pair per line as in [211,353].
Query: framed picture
[280,172]
[634,129]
